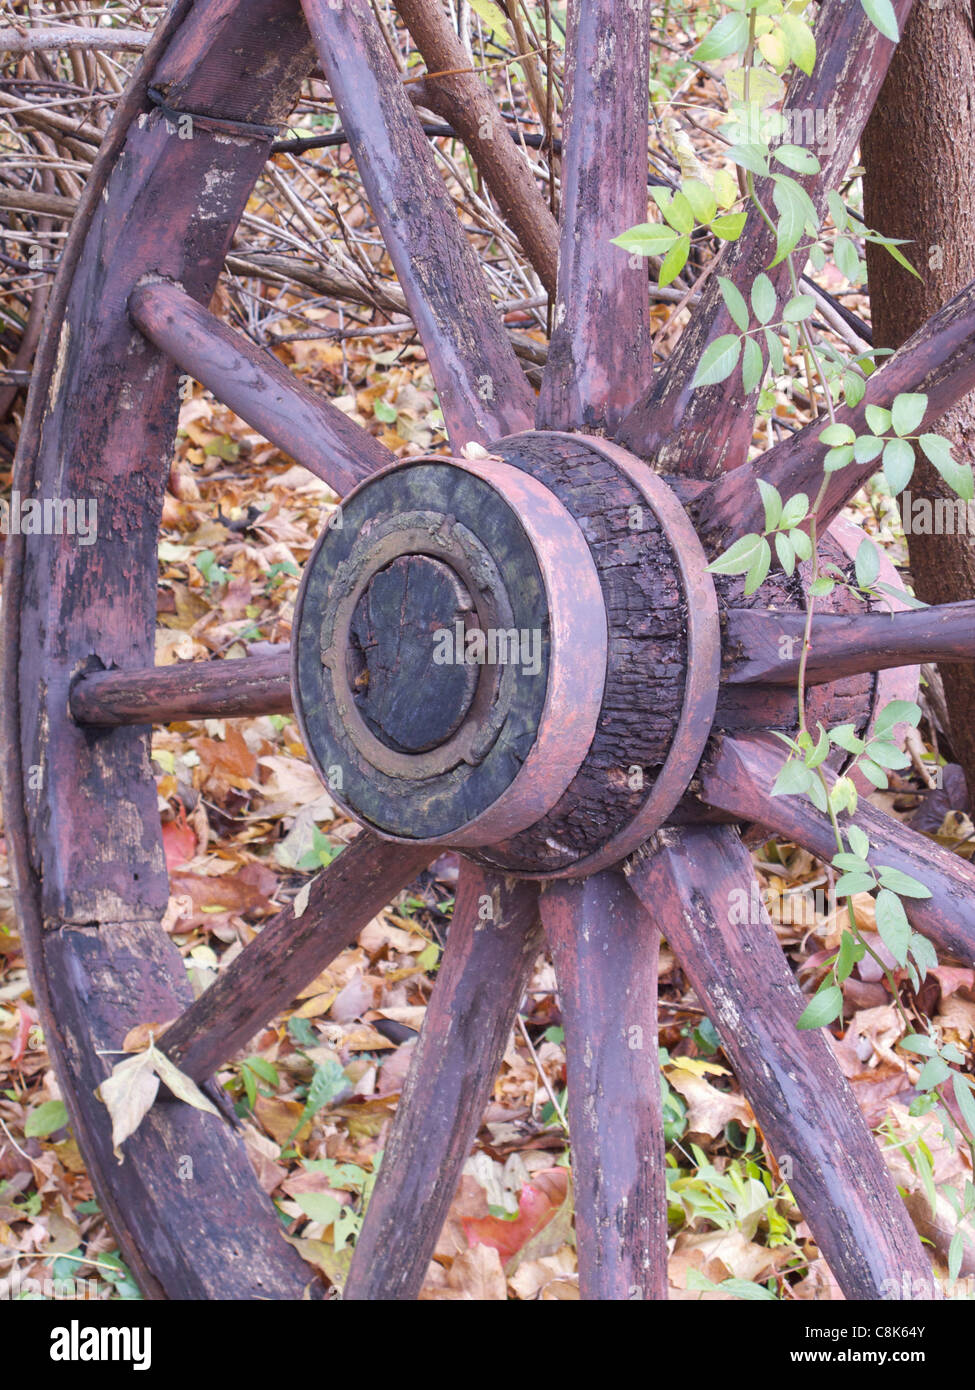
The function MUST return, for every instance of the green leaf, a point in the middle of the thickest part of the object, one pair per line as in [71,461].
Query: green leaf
[800,41]
[837,211]
[801,543]
[859,842]
[793,779]
[739,557]
[836,434]
[956,1252]
[898,464]
[878,418]
[718,361]
[320,1206]
[881,14]
[795,509]
[962,1087]
[679,213]
[729,35]
[867,563]
[799,308]
[895,251]
[647,239]
[729,227]
[854,387]
[734,302]
[776,354]
[820,753]
[837,458]
[825,1006]
[796,158]
[896,712]
[752,366]
[933,1073]
[760,566]
[920,1043]
[750,157]
[763,298]
[822,586]
[846,959]
[848,884]
[873,773]
[850,862]
[795,209]
[846,259]
[957,475]
[886,754]
[892,924]
[844,736]
[901,883]
[703,202]
[674,261]
[907,411]
[772,502]
[45,1119]
[867,448]
[783,549]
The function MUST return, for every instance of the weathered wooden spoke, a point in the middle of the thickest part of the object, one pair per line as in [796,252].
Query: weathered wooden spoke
[604,947]
[844,645]
[938,360]
[492,944]
[738,779]
[599,357]
[192,690]
[258,388]
[688,880]
[483,391]
[292,949]
[706,431]
[462,98]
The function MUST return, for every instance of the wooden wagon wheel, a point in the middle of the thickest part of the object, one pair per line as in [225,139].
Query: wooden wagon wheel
[577,781]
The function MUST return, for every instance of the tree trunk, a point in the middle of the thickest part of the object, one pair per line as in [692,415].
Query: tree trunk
[919,152]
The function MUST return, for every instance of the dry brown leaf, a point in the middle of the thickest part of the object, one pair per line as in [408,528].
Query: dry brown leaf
[474,1276]
[708,1109]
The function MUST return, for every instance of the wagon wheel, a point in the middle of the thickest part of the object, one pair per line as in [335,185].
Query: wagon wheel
[576,781]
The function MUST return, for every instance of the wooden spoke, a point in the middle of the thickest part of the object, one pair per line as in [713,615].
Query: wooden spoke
[938,360]
[845,644]
[707,431]
[258,388]
[493,940]
[738,779]
[483,391]
[599,357]
[462,98]
[689,880]
[604,947]
[191,690]
[291,950]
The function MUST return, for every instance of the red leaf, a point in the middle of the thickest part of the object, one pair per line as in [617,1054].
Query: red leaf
[538,1202]
[27,1017]
[179,841]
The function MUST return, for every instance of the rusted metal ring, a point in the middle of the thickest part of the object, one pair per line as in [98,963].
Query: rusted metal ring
[423,533]
[528,761]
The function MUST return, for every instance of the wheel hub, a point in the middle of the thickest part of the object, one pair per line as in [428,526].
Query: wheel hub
[495,654]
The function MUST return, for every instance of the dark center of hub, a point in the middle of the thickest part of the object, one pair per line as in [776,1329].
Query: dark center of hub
[411,686]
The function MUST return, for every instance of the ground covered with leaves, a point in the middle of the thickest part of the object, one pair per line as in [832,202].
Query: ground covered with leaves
[246,821]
